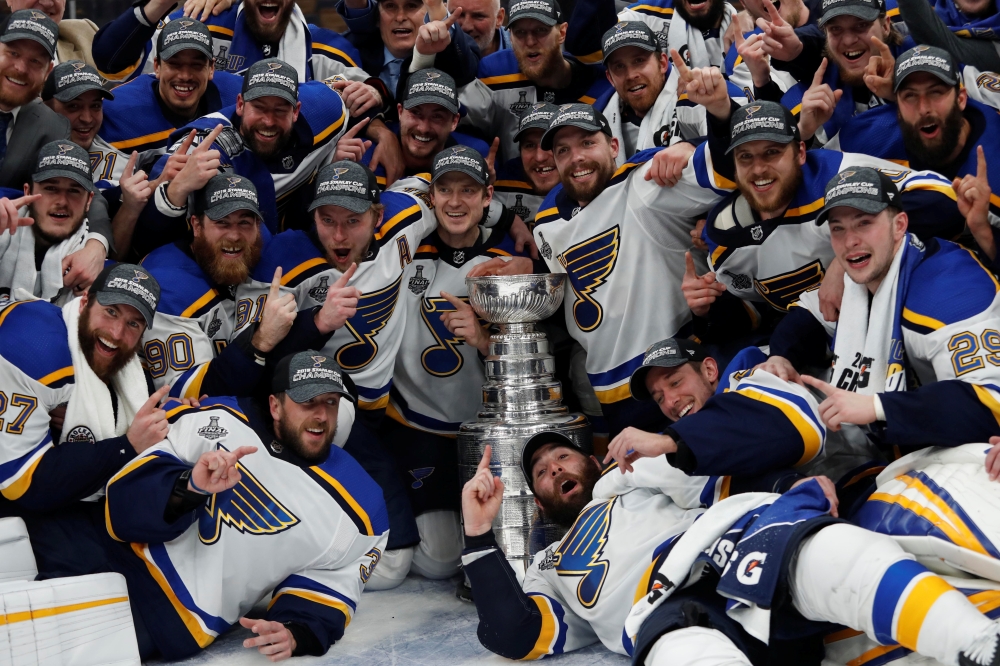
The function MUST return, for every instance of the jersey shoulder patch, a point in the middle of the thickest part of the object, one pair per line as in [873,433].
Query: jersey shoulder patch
[500,70]
[297,255]
[184,288]
[357,494]
[949,286]
[33,337]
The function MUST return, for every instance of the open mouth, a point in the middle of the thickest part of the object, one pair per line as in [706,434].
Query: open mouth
[269,10]
[634,90]
[16,82]
[341,254]
[105,346]
[854,56]
[455,216]
[697,5]
[59,215]
[402,33]
[266,134]
[763,184]
[422,138]
[582,174]
[183,90]
[544,170]
[930,130]
[231,252]
[684,412]
[533,56]
[859,260]
[567,486]
[315,433]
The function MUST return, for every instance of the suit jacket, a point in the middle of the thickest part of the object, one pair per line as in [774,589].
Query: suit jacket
[75,39]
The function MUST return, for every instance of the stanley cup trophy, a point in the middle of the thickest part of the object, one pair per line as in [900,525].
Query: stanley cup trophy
[520,398]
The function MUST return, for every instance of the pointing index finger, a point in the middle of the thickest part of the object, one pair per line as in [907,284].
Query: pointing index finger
[818,384]
[980,164]
[455,15]
[454,300]
[484,462]
[683,71]
[130,165]
[820,73]
[689,266]
[186,143]
[209,140]
[772,13]
[275,284]
[346,277]
[353,132]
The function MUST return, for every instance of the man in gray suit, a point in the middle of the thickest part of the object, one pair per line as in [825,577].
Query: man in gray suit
[27,44]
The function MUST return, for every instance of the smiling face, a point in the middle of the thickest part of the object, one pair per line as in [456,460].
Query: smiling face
[480,20]
[344,234]
[85,115]
[563,481]
[701,14]
[109,335]
[306,428]
[24,65]
[424,131]
[865,244]
[638,76]
[227,249]
[183,80]
[267,19]
[585,161]
[539,165]
[398,22]
[537,47]
[769,173]
[930,115]
[60,211]
[849,47]
[458,206]
[54,9]
[267,124]
[684,389]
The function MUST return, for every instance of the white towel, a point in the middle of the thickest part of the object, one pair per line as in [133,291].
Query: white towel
[660,115]
[294,42]
[90,403]
[701,52]
[17,261]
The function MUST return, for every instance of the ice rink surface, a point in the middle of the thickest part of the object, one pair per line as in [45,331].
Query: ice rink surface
[419,623]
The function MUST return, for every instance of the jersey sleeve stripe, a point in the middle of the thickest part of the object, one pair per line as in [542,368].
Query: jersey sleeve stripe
[340,55]
[351,506]
[506,78]
[206,299]
[921,320]
[918,603]
[16,474]
[322,136]
[403,215]
[591,58]
[192,389]
[130,467]
[140,140]
[806,208]
[220,30]
[553,633]
[653,10]
[941,188]
[301,268]
[56,376]
[125,73]
[182,410]
[9,309]
[316,598]
[989,400]
[812,434]
[305,583]
[612,395]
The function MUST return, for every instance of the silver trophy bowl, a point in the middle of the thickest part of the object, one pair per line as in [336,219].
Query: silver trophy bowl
[520,399]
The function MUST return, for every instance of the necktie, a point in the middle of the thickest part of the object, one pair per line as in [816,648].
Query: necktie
[5,119]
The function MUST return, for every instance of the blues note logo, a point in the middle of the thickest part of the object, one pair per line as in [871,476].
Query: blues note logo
[589,264]
[373,313]
[419,475]
[579,553]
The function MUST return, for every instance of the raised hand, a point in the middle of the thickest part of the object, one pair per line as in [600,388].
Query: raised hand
[880,70]
[481,498]
[704,85]
[149,427]
[387,152]
[780,367]
[10,219]
[81,268]
[273,639]
[780,40]
[631,444]
[700,291]
[818,104]
[974,204]
[340,305]
[349,147]
[491,158]
[842,406]
[175,162]
[135,186]
[464,324]
[277,318]
[206,7]
[202,163]
[668,164]
[752,51]
[358,97]
[216,472]
[435,36]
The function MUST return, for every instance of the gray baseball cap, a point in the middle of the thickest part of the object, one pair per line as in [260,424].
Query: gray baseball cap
[271,78]
[762,121]
[63,159]
[181,35]
[305,375]
[546,11]
[583,116]
[225,194]
[538,116]
[668,353]
[462,159]
[866,10]
[539,440]
[928,59]
[68,80]
[34,25]
[629,33]
[869,190]
[430,86]
[127,284]
[346,184]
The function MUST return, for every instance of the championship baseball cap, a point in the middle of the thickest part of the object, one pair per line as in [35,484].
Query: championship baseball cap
[307,374]
[583,116]
[864,188]
[63,159]
[539,440]
[762,121]
[546,11]
[928,59]
[430,86]
[181,35]
[462,159]
[227,193]
[866,10]
[127,284]
[629,33]
[346,184]
[538,116]
[668,353]
[271,78]
[68,80]
[34,25]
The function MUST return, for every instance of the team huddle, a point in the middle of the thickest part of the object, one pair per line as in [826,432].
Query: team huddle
[236,343]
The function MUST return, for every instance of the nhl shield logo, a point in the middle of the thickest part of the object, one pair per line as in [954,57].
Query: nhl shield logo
[756,232]
[418,283]
[214,325]
[318,293]
[545,249]
[522,104]
[213,430]
[459,257]
[287,161]
[550,97]
[81,434]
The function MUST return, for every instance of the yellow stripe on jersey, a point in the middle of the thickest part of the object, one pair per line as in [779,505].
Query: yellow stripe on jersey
[587,99]
[996,285]
[499,252]
[988,400]
[316,598]
[39,613]
[220,30]
[301,268]
[123,74]
[719,251]
[642,589]
[518,184]
[18,488]
[130,467]
[643,9]
[7,310]
[796,109]
[333,51]
[918,602]
[724,490]
[504,78]
[547,635]
[841,635]
[548,212]
[184,408]
[56,375]
[193,389]
[892,12]
[986,601]
[319,138]
[353,503]
[812,438]
[921,320]
[380,403]
[200,303]
[612,395]
[190,620]
[396,219]
[591,58]
[140,140]
[807,208]
[628,166]
[947,190]
[994,200]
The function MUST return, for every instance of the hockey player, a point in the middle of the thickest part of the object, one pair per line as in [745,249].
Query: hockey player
[193,347]
[755,580]
[235,503]
[693,29]
[523,182]
[922,350]
[534,70]
[75,400]
[438,377]
[73,90]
